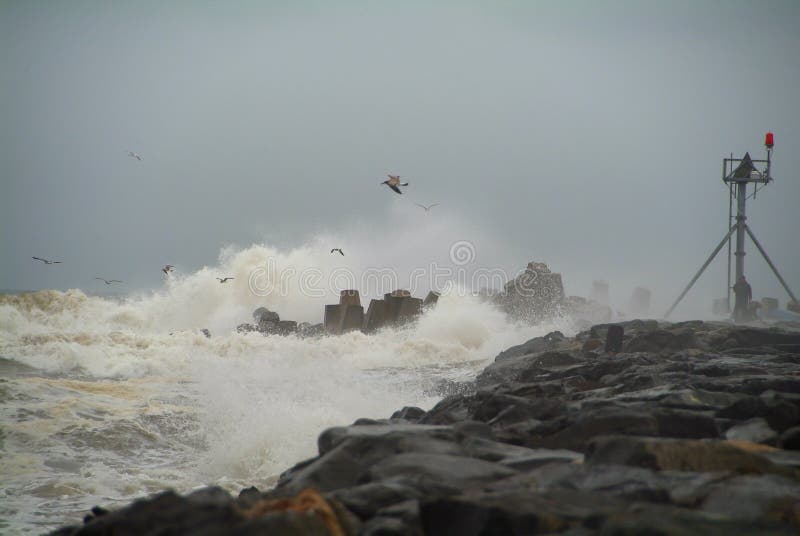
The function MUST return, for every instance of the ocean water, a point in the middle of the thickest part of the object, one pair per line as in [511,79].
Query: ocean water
[105,400]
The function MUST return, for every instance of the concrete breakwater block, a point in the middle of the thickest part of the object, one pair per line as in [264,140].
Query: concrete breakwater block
[409,309]
[331,321]
[377,316]
[393,300]
[349,297]
[431,299]
[397,306]
[351,317]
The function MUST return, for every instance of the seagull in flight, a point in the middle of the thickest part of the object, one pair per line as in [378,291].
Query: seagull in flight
[109,281]
[428,208]
[224,279]
[46,261]
[167,269]
[394,182]
[339,250]
[137,156]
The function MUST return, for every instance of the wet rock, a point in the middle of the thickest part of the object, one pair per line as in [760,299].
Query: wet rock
[211,511]
[262,314]
[556,435]
[515,512]
[661,341]
[447,469]
[305,329]
[790,439]
[678,455]
[409,413]
[780,414]
[246,328]
[614,338]
[755,498]
[754,430]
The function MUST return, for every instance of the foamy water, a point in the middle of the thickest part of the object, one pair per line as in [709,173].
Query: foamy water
[107,400]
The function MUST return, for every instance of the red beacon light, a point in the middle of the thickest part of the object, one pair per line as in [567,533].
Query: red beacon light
[769,140]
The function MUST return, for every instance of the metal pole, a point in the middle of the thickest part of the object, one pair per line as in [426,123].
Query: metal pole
[700,271]
[766,258]
[741,192]
[730,250]
[730,222]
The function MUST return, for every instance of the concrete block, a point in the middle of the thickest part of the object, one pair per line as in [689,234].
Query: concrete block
[377,316]
[331,322]
[349,297]
[351,317]
[431,299]
[393,300]
[410,308]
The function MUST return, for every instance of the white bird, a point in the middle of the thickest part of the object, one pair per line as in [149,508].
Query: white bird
[428,208]
[137,156]
[394,182]
[167,269]
[224,279]
[339,250]
[109,281]
[46,261]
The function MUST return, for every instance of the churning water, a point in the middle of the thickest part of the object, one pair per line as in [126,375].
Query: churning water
[106,400]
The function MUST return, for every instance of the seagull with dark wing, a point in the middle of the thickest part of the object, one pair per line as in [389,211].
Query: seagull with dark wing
[339,250]
[428,208]
[167,269]
[394,182]
[137,156]
[46,261]
[224,279]
[109,281]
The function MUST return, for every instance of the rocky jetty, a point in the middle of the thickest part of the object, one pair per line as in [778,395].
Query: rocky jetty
[633,428]
[268,322]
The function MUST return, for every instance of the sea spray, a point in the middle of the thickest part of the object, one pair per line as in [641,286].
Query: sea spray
[105,400]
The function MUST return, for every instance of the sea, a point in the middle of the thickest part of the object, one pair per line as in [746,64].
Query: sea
[107,399]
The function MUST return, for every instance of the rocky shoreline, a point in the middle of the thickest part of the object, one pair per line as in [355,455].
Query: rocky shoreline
[689,428]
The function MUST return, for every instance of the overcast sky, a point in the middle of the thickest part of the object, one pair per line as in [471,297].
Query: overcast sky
[589,135]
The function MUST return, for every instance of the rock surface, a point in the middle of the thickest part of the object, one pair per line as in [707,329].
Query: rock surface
[692,428]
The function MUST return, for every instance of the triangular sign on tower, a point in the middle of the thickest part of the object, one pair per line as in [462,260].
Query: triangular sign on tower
[745,168]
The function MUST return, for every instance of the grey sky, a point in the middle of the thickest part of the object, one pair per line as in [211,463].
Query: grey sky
[588,135]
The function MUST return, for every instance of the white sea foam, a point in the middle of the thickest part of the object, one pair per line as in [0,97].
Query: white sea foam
[108,399]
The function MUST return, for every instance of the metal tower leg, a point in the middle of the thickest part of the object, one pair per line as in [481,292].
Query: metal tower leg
[700,271]
[766,258]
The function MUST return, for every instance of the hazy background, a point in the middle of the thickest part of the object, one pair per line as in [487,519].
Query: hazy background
[589,135]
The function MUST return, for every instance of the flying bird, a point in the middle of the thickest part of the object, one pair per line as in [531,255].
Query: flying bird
[137,156]
[339,250]
[394,182]
[109,281]
[428,208]
[224,279]
[46,261]
[167,269]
